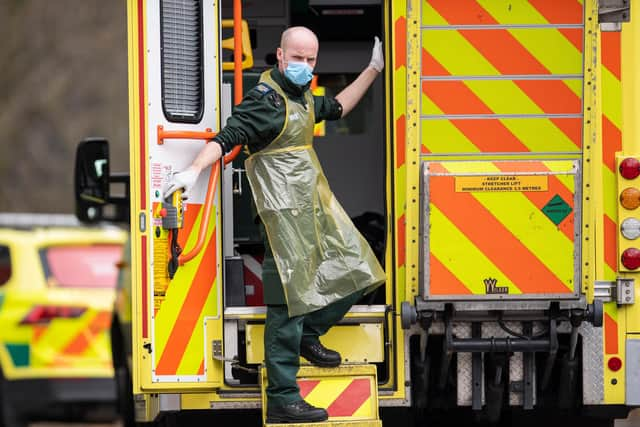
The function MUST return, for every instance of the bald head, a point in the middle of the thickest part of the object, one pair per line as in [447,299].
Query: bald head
[297,44]
[298,35]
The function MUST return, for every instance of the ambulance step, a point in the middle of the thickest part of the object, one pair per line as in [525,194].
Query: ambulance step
[349,393]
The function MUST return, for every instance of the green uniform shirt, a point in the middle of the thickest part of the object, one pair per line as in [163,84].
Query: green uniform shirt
[260,117]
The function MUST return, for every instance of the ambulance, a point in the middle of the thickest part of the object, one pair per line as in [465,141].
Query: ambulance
[495,166]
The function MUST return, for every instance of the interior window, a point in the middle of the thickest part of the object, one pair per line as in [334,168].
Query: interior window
[82,266]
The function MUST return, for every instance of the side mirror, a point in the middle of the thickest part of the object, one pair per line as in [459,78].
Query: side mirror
[91,179]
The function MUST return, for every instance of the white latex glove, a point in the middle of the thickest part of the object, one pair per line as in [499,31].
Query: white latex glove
[377,57]
[185,179]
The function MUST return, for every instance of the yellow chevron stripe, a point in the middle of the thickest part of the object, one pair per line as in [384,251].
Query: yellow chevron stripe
[430,16]
[192,358]
[179,287]
[366,410]
[559,166]
[461,256]
[441,136]
[428,107]
[609,274]
[401,186]
[553,250]
[327,391]
[513,12]
[612,102]
[400,77]
[563,58]
[612,310]
[609,180]
[456,54]
[547,250]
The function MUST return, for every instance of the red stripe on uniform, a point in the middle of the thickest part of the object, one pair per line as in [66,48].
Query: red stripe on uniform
[351,399]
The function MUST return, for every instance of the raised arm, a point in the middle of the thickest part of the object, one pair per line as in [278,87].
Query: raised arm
[353,93]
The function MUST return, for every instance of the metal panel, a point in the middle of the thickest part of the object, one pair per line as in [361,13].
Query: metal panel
[501,230]
[633,372]
[361,343]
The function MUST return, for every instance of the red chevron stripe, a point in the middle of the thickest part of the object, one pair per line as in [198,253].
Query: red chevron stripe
[442,281]
[402,232]
[610,335]
[610,43]
[401,42]
[100,323]
[611,143]
[559,12]
[541,198]
[401,140]
[190,311]
[351,399]
[493,239]
[306,386]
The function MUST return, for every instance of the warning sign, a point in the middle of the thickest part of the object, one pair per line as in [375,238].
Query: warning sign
[466,184]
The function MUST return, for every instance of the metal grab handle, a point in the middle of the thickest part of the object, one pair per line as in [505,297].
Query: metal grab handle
[211,187]
[184,134]
[204,222]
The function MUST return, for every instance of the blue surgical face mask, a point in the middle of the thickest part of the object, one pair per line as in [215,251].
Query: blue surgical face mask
[298,72]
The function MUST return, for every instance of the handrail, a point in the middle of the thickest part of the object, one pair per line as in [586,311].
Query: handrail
[184,134]
[204,222]
[237,68]
[211,187]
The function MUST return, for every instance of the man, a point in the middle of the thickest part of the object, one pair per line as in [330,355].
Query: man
[316,264]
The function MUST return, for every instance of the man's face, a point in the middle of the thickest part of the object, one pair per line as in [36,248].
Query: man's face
[300,47]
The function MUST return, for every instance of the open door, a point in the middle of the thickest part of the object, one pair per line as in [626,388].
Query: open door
[174,87]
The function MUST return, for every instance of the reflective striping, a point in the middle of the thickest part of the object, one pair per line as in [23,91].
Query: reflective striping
[192,295]
[610,56]
[444,281]
[400,35]
[471,12]
[524,269]
[401,240]
[507,135]
[342,396]
[186,324]
[85,337]
[610,332]
[520,97]
[457,253]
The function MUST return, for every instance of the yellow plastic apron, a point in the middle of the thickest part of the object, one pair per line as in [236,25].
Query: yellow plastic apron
[320,255]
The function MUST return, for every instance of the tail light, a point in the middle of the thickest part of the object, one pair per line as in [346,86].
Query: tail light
[45,313]
[615,363]
[631,258]
[630,198]
[630,168]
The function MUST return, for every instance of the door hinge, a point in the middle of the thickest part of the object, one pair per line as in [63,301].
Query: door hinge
[622,291]
[612,13]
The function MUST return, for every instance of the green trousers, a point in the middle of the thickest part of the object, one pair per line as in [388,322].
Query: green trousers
[282,338]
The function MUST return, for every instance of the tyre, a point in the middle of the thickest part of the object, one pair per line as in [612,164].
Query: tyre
[9,414]
[124,383]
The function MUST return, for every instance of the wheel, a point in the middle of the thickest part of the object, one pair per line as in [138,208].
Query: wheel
[9,414]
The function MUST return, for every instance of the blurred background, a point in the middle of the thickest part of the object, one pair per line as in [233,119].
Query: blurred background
[63,77]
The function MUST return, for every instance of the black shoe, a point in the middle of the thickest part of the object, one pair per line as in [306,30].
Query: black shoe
[320,355]
[296,412]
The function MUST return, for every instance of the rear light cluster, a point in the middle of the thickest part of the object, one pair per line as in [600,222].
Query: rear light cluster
[629,218]
[45,313]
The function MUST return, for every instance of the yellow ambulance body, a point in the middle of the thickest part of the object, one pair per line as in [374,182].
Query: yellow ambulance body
[510,282]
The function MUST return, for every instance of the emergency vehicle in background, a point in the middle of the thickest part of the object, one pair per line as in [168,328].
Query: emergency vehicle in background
[501,151]
[57,286]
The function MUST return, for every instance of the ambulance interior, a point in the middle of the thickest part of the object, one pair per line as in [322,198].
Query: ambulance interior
[352,152]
